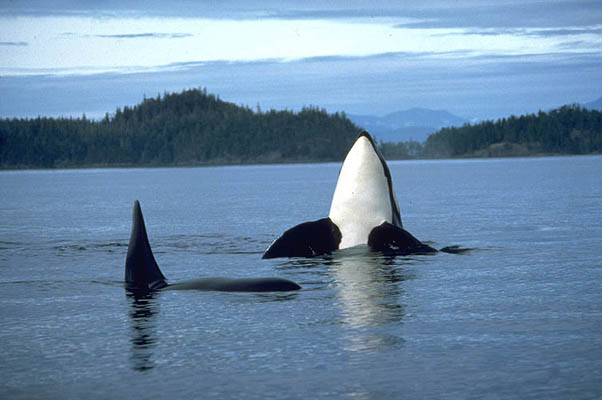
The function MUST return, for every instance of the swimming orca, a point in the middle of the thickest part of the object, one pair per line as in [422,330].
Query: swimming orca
[364,210]
[143,274]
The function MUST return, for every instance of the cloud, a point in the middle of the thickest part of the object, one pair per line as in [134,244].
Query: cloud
[551,14]
[569,31]
[391,56]
[14,44]
[348,13]
[479,86]
[582,45]
[238,9]
[477,59]
[423,14]
[143,35]
[537,32]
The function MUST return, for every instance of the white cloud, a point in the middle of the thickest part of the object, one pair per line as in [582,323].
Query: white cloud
[471,57]
[86,44]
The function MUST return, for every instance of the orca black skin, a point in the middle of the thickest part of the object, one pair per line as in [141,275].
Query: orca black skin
[143,274]
[364,210]
[390,239]
[306,240]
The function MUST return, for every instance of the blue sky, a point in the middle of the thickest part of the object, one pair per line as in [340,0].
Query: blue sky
[477,59]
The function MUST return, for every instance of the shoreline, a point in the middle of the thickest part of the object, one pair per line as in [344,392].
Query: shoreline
[292,162]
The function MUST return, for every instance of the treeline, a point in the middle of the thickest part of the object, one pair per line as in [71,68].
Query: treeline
[188,128]
[196,128]
[567,130]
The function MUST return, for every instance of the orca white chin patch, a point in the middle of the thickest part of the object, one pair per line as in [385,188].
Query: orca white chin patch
[364,197]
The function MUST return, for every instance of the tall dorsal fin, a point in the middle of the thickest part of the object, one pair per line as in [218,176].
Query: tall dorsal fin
[141,269]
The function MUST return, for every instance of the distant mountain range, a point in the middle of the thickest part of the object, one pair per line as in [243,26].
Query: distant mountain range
[418,123]
[413,124]
[594,105]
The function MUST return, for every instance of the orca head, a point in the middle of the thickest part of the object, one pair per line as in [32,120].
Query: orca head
[364,197]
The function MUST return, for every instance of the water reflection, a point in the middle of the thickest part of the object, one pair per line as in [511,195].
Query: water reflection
[368,296]
[143,309]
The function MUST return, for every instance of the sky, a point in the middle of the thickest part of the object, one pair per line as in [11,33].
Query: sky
[483,59]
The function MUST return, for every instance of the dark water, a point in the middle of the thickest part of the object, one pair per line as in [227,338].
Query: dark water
[518,317]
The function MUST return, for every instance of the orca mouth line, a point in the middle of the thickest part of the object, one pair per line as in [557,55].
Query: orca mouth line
[142,273]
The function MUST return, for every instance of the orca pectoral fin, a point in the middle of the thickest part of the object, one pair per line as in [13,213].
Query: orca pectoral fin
[141,269]
[306,240]
[391,239]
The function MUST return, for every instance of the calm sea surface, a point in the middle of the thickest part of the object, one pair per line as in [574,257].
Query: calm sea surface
[518,317]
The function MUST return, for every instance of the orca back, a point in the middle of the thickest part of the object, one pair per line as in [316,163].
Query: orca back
[237,285]
[142,274]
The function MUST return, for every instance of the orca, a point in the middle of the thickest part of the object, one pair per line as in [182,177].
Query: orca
[363,211]
[142,273]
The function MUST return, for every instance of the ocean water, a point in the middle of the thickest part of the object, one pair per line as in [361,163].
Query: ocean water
[517,317]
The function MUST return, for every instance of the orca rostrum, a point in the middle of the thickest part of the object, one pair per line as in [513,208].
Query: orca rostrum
[363,211]
[143,274]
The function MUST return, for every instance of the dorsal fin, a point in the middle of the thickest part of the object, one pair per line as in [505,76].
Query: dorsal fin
[141,269]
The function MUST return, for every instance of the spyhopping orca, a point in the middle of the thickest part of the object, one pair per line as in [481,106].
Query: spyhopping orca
[364,210]
[143,274]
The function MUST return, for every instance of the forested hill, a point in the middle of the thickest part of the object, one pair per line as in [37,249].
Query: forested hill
[188,128]
[196,128]
[567,130]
